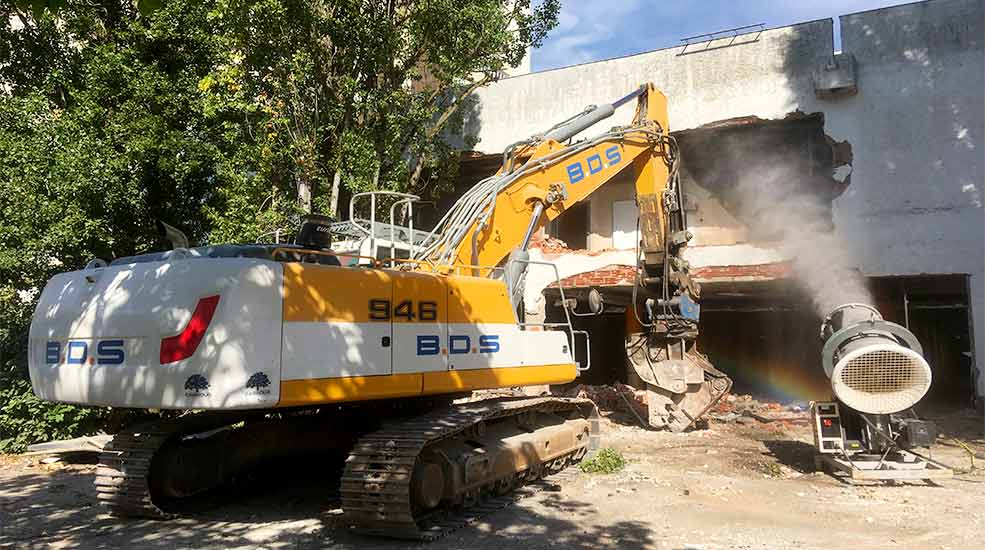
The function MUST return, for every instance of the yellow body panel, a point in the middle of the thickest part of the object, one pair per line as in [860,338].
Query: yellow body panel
[478,300]
[353,388]
[295,393]
[463,380]
[314,293]
[416,287]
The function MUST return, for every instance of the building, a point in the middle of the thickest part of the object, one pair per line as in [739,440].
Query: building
[890,131]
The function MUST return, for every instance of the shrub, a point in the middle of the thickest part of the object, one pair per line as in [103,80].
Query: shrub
[25,419]
[606,461]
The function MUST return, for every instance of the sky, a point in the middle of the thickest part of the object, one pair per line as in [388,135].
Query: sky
[591,30]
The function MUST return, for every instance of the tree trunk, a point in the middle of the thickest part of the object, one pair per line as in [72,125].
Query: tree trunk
[416,174]
[304,195]
[333,198]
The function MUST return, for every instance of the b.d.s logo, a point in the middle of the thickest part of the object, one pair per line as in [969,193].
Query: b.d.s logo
[458,344]
[85,352]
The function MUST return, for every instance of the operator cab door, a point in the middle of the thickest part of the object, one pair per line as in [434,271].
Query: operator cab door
[420,313]
[335,322]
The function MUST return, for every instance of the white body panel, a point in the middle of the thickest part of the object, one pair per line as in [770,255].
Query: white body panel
[339,349]
[141,304]
[405,348]
[516,348]
[334,350]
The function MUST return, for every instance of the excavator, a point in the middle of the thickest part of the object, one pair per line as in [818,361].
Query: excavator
[267,353]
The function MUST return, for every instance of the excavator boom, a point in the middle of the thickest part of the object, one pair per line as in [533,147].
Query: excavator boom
[541,178]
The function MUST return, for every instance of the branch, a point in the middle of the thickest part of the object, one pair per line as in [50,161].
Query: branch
[24,21]
[453,108]
[440,123]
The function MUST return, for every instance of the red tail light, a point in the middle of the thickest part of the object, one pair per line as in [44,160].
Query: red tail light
[183,345]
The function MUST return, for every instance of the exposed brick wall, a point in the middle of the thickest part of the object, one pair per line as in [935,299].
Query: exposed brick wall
[610,275]
[780,270]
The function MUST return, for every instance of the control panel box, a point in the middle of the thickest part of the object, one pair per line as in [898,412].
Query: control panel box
[828,433]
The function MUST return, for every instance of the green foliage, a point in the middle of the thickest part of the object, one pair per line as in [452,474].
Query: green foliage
[102,133]
[605,461]
[772,469]
[25,419]
[371,91]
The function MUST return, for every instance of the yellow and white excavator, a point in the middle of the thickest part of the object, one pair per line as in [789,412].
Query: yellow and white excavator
[283,351]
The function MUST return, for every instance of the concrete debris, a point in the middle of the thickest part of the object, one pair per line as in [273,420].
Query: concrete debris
[618,398]
[548,244]
[552,246]
[87,444]
[743,409]
[613,398]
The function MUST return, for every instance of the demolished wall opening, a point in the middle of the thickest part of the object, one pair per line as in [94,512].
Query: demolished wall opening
[572,226]
[758,324]
[761,319]
[723,161]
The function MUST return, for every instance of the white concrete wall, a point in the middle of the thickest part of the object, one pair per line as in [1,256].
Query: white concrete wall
[764,78]
[916,127]
[600,211]
[915,204]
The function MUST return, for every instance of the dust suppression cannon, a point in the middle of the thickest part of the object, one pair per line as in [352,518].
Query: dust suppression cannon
[878,373]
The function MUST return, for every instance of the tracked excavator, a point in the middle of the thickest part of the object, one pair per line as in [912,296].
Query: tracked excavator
[273,352]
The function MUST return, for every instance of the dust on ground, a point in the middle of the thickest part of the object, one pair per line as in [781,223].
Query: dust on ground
[745,485]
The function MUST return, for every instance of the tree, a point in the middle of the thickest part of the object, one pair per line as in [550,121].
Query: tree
[102,133]
[359,92]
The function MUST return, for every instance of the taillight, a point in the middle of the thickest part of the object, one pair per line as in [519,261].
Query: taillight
[183,345]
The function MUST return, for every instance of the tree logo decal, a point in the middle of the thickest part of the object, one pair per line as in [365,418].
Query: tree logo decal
[258,381]
[197,386]
[258,384]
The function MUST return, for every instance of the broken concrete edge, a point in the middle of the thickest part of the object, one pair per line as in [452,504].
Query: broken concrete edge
[622,275]
[86,444]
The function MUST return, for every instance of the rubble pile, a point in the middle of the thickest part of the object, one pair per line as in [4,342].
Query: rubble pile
[552,246]
[625,399]
[613,398]
[548,244]
[743,409]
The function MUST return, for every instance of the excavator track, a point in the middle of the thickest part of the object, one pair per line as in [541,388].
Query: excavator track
[377,486]
[124,470]
[123,475]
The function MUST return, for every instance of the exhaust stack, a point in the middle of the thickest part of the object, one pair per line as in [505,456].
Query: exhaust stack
[875,366]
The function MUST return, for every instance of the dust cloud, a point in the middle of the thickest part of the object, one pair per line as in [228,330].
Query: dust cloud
[779,203]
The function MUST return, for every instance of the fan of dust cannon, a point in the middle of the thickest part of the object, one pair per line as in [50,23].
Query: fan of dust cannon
[875,366]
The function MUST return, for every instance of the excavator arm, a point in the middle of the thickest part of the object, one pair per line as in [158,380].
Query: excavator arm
[542,177]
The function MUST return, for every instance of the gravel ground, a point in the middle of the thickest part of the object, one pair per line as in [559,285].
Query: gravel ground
[731,485]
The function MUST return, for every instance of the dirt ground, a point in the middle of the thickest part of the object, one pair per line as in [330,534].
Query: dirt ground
[732,485]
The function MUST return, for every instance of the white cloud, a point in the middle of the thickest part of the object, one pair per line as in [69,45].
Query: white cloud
[566,21]
[582,26]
